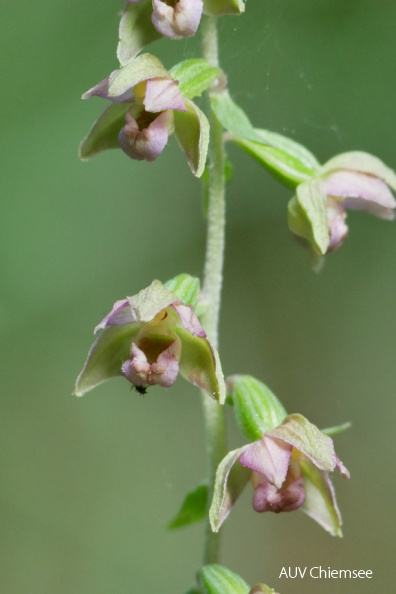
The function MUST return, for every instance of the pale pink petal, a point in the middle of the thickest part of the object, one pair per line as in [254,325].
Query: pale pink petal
[361,192]
[120,314]
[102,90]
[269,457]
[338,229]
[290,496]
[188,319]
[162,94]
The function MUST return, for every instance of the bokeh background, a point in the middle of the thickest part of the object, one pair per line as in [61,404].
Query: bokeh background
[88,485]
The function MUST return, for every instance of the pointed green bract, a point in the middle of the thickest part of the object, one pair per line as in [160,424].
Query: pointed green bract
[194,76]
[337,429]
[220,7]
[105,357]
[217,579]
[193,508]
[257,409]
[192,133]
[104,133]
[185,287]
[307,215]
[284,166]
[136,30]
[291,147]
[232,117]
[320,502]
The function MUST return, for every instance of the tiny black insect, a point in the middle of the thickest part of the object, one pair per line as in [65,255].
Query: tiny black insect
[141,389]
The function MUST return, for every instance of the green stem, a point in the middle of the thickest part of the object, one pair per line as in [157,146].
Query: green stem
[214,417]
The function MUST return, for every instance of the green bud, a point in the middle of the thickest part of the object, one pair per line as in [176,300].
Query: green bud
[257,409]
[186,287]
[216,579]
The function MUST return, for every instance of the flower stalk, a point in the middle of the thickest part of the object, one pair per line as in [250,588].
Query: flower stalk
[214,418]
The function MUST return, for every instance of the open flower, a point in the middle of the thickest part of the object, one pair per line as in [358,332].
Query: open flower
[349,181]
[149,339]
[146,108]
[289,468]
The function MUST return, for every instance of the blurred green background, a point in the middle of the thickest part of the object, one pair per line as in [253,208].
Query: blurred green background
[89,484]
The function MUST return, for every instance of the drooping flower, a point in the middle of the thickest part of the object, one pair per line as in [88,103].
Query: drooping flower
[349,181]
[149,339]
[175,18]
[288,465]
[146,108]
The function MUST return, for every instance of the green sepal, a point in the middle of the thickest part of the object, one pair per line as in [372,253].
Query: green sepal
[232,117]
[307,217]
[185,287]
[193,508]
[336,429]
[231,479]
[104,133]
[320,502]
[221,7]
[217,579]
[194,76]
[257,409]
[105,357]
[141,68]
[136,30]
[285,167]
[192,133]
[200,364]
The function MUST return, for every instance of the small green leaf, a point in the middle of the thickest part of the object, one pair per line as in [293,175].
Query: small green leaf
[185,287]
[257,409]
[216,579]
[221,7]
[232,117]
[284,166]
[136,30]
[104,133]
[307,217]
[194,76]
[337,429]
[193,508]
[192,132]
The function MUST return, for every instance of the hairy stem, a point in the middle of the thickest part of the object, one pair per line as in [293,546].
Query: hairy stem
[214,417]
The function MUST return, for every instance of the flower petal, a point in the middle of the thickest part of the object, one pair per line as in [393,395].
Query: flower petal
[162,94]
[120,314]
[338,229]
[289,497]
[363,162]
[361,192]
[269,457]
[105,357]
[148,143]
[163,372]
[189,320]
[192,133]
[200,364]
[150,301]
[297,431]
[320,502]
[138,70]
[230,481]
[178,21]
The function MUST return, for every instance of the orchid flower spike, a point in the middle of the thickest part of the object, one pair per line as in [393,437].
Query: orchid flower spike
[149,339]
[288,465]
